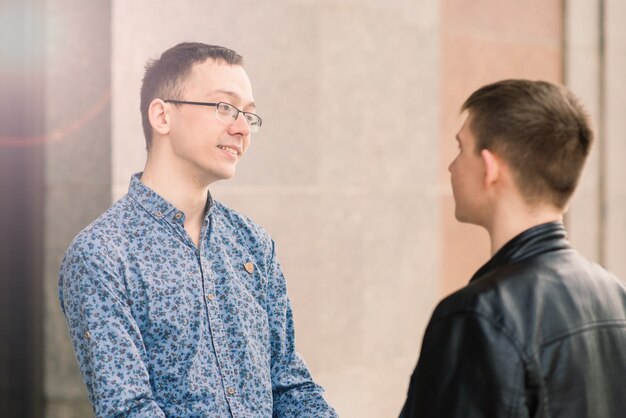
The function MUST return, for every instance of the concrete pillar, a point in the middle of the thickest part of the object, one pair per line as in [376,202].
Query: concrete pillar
[594,68]
[582,74]
[343,173]
[484,41]
[348,172]
[614,129]
[77,171]
[22,43]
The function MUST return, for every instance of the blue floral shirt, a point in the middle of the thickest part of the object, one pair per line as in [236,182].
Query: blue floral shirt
[162,328]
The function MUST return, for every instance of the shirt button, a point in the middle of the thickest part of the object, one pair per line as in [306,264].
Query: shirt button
[178,215]
[210,296]
[158,214]
[87,335]
[231,391]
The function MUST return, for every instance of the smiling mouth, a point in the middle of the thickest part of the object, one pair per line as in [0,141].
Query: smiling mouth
[232,150]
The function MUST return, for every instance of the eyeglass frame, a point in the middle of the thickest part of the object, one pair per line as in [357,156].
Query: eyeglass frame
[253,128]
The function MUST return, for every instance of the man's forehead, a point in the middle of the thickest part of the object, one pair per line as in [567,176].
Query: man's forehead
[212,78]
[235,96]
[465,127]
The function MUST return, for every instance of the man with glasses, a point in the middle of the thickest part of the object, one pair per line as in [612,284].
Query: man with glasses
[176,304]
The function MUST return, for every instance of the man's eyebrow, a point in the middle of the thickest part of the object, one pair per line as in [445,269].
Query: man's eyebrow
[235,96]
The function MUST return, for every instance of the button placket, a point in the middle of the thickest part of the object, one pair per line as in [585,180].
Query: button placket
[210,291]
[220,337]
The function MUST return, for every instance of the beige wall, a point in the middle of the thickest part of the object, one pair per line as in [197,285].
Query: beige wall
[349,173]
[77,172]
[614,131]
[484,41]
[343,173]
[595,51]
[583,70]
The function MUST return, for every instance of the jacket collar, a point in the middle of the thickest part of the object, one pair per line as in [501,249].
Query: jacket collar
[537,240]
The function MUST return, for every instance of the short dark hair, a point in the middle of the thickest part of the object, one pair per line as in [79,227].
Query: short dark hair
[164,76]
[540,129]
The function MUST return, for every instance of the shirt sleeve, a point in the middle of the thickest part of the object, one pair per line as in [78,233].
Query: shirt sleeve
[105,336]
[294,392]
[467,367]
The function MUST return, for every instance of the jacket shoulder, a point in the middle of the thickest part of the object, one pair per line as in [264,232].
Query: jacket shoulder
[562,287]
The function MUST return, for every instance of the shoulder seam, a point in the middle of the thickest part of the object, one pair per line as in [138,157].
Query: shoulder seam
[618,323]
[496,325]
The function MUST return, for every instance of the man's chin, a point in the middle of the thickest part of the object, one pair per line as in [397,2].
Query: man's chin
[212,176]
[464,218]
[224,174]
[228,176]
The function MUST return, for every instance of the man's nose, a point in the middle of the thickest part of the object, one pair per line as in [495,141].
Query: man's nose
[240,124]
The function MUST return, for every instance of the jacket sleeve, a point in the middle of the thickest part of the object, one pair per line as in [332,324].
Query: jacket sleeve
[468,366]
[294,392]
[105,336]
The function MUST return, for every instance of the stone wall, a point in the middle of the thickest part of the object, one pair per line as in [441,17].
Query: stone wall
[349,173]
[77,171]
[342,174]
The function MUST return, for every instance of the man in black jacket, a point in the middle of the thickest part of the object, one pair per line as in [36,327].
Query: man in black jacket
[539,331]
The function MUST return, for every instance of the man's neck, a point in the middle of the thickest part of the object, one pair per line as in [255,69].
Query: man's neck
[515,219]
[183,190]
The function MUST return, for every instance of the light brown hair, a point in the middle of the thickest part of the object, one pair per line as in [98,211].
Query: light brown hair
[165,76]
[540,129]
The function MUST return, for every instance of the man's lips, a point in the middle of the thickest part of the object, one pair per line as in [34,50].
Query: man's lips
[232,149]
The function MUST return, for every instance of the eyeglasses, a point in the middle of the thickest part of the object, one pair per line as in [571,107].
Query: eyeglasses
[226,112]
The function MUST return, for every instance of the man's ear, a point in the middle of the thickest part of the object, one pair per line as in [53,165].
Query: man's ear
[158,116]
[492,167]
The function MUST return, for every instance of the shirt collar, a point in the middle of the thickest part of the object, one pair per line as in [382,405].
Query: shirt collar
[537,240]
[154,204]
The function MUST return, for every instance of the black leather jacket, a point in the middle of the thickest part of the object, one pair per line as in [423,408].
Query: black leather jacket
[540,331]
